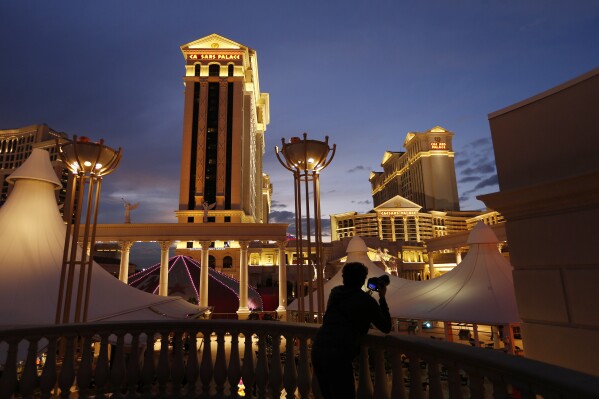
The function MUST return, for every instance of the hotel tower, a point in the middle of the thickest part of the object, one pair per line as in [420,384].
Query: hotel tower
[225,117]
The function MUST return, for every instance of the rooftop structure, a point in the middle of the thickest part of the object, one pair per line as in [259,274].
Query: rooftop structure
[423,174]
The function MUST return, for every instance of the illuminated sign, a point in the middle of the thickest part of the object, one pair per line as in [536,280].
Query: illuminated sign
[214,56]
[396,213]
[438,144]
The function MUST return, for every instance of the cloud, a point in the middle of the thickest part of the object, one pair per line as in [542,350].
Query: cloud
[277,204]
[470,179]
[365,202]
[462,162]
[490,181]
[482,142]
[358,168]
[281,217]
[479,170]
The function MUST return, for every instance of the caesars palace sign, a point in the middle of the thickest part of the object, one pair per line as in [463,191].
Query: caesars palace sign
[214,56]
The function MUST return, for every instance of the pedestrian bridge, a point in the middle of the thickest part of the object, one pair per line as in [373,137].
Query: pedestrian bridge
[209,358]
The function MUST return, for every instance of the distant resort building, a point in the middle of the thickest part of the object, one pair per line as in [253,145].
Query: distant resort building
[423,174]
[16,146]
[416,200]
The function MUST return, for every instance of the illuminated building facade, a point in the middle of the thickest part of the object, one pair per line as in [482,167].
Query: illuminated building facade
[17,144]
[400,228]
[225,117]
[423,174]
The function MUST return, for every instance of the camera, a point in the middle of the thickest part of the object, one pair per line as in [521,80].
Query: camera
[375,283]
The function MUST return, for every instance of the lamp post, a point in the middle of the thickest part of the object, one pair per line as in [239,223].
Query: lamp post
[88,162]
[306,159]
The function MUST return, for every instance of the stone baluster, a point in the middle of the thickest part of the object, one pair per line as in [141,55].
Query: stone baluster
[365,389]
[416,391]
[476,383]
[29,377]
[381,389]
[206,368]
[177,365]
[275,377]
[9,374]
[398,389]
[304,382]
[247,370]
[162,370]
[102,367]
[499,387]
[148,369]
[67,369]
[261,366]
[48,378]
[193,368]
[234,370]
[220,364]
[117,364]
[453,379]
[435,389]
[290,375]
[133,369]
[85,372]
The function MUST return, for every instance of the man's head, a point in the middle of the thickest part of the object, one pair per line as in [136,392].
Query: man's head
[354,274]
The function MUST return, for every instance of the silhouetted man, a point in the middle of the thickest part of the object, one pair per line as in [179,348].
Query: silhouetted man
[350,311]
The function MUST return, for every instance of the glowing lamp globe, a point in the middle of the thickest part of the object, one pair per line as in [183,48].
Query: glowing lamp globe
[84,156]
[306,155]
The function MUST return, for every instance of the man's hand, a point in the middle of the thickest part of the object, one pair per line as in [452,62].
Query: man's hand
[382,291]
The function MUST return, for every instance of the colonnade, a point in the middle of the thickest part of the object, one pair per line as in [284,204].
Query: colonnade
[243,311]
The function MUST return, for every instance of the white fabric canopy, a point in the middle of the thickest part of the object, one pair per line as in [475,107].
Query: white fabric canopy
[479,290]
[32,235]
[357,251]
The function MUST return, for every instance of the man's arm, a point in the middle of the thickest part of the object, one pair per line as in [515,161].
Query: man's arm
[381,318]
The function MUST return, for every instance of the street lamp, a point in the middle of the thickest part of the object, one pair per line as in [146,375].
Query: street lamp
[306,159]
[88,162]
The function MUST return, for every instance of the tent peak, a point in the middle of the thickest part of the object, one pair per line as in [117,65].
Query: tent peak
[356,244]
[36,167]
[482,234]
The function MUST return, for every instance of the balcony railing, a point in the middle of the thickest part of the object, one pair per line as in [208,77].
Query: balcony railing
[209,358]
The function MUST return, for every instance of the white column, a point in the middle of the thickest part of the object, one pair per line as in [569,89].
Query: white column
[163,284]
[417,224]
[125,247]
[379,225]
[431,265]
[204,274]
[405,228]
[282,309]
[458,256]
[243,312]
[392,228]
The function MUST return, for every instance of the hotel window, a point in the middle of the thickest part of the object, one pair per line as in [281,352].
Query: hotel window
[211,262]
[197,69]
[214,70]
[227,262]
[230,70]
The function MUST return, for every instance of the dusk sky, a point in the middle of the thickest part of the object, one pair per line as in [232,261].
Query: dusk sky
[362,72]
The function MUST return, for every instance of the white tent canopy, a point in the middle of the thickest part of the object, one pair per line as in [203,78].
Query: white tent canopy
[357,251]
[480,290]
[32,235]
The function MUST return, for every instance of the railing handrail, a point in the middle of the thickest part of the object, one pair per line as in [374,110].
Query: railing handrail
[498,367]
